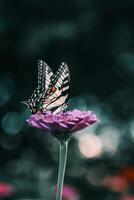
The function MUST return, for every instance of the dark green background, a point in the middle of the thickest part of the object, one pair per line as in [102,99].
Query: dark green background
[96,39]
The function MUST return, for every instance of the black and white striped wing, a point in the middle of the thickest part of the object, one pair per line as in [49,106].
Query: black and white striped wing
[60,83]
[44,79]
[61,79]
[44,75]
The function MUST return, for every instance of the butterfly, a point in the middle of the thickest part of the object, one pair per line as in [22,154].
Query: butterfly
[51,93]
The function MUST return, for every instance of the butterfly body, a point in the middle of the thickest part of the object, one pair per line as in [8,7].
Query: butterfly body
[52,91]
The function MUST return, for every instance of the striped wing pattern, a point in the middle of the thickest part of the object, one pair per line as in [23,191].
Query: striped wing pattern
[56,101]
[52,91]
[44,75]
[44,78]
[61,77]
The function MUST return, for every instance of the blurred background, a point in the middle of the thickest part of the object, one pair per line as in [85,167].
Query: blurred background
[96,39]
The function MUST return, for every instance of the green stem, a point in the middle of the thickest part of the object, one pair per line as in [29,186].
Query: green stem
[62,165]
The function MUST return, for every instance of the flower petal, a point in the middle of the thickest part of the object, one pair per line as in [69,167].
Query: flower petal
[69,122]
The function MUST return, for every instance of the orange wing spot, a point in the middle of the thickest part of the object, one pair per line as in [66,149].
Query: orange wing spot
[51,90]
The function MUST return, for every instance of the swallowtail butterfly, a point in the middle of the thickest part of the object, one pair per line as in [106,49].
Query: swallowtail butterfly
[52,91]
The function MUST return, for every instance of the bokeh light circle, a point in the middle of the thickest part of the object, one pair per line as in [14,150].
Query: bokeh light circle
[90,146]
[12,123]
[4,95]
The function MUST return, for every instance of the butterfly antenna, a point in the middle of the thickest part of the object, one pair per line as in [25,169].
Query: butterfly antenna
[25,102]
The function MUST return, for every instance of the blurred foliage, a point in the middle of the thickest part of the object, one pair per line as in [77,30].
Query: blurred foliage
[96,39]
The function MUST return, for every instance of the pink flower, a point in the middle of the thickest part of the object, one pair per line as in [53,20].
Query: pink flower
[69,192]
[127,197]
[6,190]
[64,122]
[115,183]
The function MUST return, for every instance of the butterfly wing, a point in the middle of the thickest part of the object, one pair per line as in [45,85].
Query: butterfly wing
[57,93]
[44,78]
[44,75]
[61,77]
